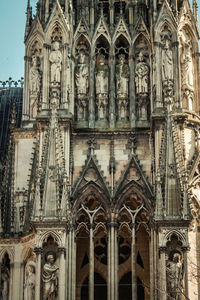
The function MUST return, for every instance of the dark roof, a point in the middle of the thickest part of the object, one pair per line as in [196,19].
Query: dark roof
[8,97]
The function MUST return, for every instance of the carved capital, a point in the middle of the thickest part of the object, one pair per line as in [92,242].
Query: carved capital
[185,249]
[162,250]
[38,250]
[62,250]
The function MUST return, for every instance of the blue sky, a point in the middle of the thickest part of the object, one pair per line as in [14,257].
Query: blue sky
[12,25]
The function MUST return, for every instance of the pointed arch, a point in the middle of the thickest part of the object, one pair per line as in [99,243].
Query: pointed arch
[56,26]
[81,41]
[91,189]
[101,30]
[133,191]
[50,234]
[141,41]
[27,253]
[166,23]
[34,45]
[121,30]
[9,252]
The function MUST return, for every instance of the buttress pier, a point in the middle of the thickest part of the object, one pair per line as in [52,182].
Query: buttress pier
[100,184]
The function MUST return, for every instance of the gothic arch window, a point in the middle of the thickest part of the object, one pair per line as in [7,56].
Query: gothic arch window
[133,245]
[91,257]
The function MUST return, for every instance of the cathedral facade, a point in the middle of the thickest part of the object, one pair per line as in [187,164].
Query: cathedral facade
[100,186]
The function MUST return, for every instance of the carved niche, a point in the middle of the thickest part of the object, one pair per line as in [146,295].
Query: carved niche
[29,281]
[50,277]
[35,78]
[102,76]
[122,74]
[55,64]
[82,80]
[142,78]
[187,68]
[167,66]
[5,277]
[174,267]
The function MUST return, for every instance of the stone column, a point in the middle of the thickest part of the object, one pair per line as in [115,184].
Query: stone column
[116,261]
[112,262]
[185,261]
[133,263]
[132,101]
[38,252]
[70,265]
[91,264]
[62,283]
[162,274]
[0,273]
[73,266]
[112,115]
[91,107]
[46,78]
[15,280]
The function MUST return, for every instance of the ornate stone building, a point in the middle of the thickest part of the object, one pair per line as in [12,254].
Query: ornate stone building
[100,186]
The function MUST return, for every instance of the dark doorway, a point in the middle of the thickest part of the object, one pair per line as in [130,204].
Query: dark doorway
[125,288]
[100,288]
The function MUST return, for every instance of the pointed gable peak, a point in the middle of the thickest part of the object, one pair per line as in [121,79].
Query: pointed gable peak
[122,28]
[102,29]
[91,174]
[141,27]
[133,173]
[56,15]
[166,13]
[81,29]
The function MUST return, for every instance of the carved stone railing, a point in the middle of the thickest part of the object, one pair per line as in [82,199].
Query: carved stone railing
[12,83]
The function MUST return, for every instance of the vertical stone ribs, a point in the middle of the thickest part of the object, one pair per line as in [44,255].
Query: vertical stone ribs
[179,158]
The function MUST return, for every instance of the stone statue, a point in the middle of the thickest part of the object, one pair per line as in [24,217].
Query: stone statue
[56,62]
[141,75]
[82,75]
[174,270]
[5,276]
[167,60]
[50,278]
[122,77]
[29,287]
[34,76]
[102,75]
[186,61]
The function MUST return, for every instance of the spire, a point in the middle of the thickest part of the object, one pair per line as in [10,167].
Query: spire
[28,19]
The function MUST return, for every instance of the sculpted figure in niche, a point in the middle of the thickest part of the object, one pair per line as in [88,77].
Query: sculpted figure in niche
[122,76]
[55,59]
[186,61]
[167,60]
[5,283]
[50,278]
[29,287]
[34,76]
[102,75]
[174,270]
[141,75]
[82,75]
